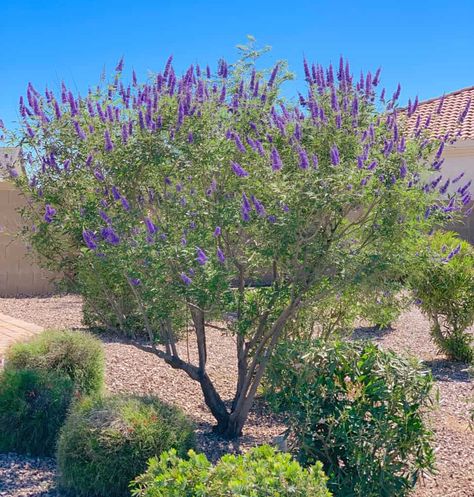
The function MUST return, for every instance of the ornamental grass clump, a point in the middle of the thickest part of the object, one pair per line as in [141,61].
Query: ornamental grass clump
[106,442]
[206,196]
[75,354]
[357,409]
[33,407]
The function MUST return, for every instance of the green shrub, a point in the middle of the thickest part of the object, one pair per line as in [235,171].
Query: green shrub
[33,406]
[357,409]
[261,472]
[443,282]
[76,354]
[107,442]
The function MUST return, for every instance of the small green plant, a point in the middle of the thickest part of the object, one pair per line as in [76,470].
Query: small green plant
[443,283]
[261,472]
[358,410]
[77,354]
[107,441]
[33,406]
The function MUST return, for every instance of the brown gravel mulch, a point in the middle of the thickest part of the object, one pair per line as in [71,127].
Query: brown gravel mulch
[131,370]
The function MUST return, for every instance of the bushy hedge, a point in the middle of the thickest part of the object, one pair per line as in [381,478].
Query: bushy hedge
[33,406]
[443,282]
[107,441]
[76,354]
[262,472]
[357,409]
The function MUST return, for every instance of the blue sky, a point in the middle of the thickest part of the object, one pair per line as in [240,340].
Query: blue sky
[427,46]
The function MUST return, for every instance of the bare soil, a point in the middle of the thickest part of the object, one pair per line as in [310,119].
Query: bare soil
[131,370]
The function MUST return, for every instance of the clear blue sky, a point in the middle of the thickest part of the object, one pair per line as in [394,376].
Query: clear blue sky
[427,45]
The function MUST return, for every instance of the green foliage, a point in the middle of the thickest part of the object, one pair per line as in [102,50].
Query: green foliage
[33,407]
[357,409]
[443,282]
[261,472]
[73,353]
[106,442]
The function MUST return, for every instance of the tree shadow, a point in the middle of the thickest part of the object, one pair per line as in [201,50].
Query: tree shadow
[445,370]
[370,332]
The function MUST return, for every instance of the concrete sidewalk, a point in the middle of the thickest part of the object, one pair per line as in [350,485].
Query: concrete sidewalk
[14,330]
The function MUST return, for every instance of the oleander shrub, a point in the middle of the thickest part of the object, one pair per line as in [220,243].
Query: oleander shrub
[443,283]
[76,354]
[106,442]
[357,409]
[33,407]
[261,472]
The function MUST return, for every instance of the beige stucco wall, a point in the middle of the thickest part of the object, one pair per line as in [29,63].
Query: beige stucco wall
[19,275]
[460,158]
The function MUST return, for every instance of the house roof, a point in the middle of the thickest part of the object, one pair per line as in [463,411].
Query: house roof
[445,112]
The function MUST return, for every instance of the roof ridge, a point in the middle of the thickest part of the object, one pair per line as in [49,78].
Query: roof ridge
[455,92]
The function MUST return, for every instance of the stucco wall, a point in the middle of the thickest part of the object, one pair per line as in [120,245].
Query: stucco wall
[460,158]
[19,275]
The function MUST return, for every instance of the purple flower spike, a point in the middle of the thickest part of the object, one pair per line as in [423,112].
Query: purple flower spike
[273,76]
[105,217]
[115,193]
[464,113]
[315,161]
[150,226]
[303,159]
[259,208]
[109,146]
[99,176]
[440,150]
[276,160]
[457,178]
[125,203]
[89,239]
[109,235]
[239,170]
[135,281]
[49,213]
[403,170]
[201,256]
[185,279]
[334,155]
[119,67]
[238,143]
[220,255]
[217,231]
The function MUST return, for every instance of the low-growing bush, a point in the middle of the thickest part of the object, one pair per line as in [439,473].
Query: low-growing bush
[77,354]
[357,409]
[33,406]
[443,283]
[106,442]
[261,472]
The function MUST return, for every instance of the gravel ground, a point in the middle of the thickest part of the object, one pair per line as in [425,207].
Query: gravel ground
[130,370]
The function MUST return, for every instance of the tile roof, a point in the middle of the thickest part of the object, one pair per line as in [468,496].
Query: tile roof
[446,119]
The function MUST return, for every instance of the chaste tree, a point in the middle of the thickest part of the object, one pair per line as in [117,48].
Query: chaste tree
[208,198]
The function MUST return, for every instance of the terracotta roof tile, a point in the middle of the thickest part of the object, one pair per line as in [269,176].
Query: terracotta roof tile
[445,120]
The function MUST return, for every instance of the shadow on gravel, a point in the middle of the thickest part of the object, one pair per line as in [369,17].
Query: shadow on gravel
[370,332]
[444,370]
